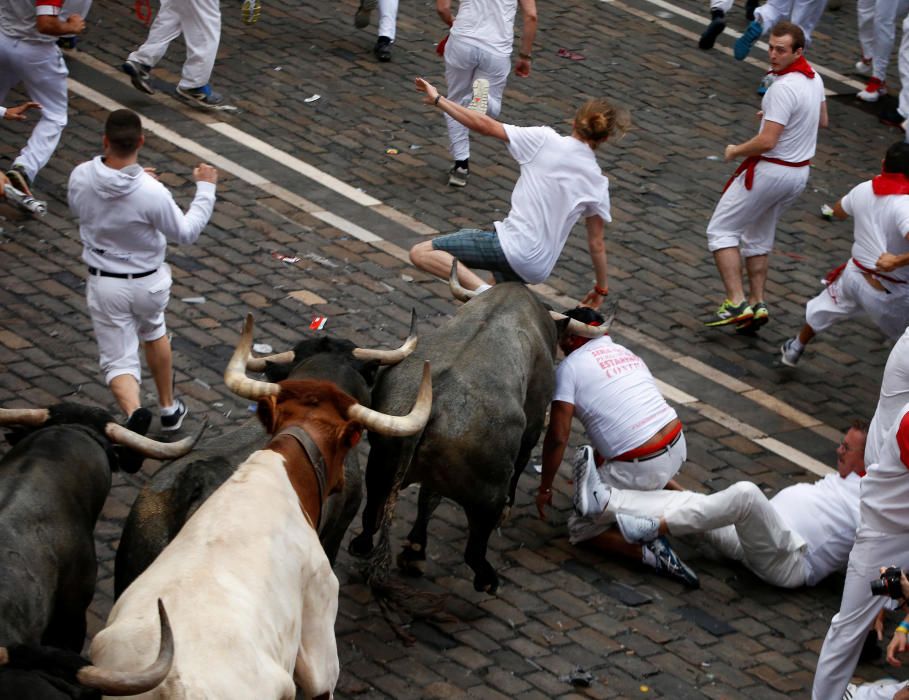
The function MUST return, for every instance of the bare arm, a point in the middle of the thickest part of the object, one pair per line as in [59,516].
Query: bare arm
[54,26]
[839,212]
[760,144]
[824,120]
[597,247]
[529,12]
[474,121]
[443,7]
[554,444]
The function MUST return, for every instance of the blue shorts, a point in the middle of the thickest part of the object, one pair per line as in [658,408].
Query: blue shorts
[478,249]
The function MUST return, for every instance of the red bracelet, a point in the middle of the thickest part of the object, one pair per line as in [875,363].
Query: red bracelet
[599,290]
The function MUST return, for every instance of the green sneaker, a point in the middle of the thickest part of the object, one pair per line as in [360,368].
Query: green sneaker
[730,313]
[761,314]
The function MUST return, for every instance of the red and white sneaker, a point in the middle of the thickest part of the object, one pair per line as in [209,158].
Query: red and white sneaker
[873,90]
[863,66]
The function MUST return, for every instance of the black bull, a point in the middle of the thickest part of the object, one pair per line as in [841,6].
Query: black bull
[493,377]
[177,490]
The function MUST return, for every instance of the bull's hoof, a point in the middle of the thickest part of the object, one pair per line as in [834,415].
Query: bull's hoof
[361,545]
[487,582]
[412,560]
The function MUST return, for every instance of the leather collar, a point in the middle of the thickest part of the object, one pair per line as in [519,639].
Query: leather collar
[315,459]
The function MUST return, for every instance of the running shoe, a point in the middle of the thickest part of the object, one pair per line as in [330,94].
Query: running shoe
[789,354]
[669,564]
[250,11]
[638,529]
[480,100]
[863,66]
[590,494]
[457,177]
[18,179]
[750,7]
[714,29]
[139,76]
[203,97]
[382,49]
[730,313]
[174,420]
[361,18]
[761,314]
[748,39]
[873,90]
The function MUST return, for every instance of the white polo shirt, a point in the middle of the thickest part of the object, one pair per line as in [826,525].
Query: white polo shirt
[486,24]
[560,182]
[794,100]
[613,394]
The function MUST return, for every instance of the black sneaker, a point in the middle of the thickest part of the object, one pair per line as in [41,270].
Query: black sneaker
[18,179]
[174,421]
[891,117]
[203,97]
[139,421]
[382,49]
[139,76]
[670,565]
[714,29]
[457,177]
[361,18]
[750,7]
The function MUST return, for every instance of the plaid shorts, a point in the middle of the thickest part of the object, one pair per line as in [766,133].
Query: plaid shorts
[478,249]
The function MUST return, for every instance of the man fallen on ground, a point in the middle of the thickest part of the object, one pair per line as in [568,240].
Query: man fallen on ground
[797,538]
[637,435]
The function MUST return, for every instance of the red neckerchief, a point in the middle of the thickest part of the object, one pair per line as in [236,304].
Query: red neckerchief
[799,65]
[890,183]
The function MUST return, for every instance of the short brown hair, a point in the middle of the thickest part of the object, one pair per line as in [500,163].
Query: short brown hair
[599,119]
[793,30]
[123,130]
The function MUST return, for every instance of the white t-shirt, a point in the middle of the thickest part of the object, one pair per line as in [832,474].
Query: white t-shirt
[560,182]
[885,488]
[826,515]
[613,394]
[894,395]
[794,100]
[881,225]
[486,24]
[126,216]
[18,18]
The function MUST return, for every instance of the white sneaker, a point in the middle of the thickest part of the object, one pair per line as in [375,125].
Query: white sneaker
[457,177]
[863,66]
[638,529]
[480,100]
[873,91]
[789,355]
[590,494]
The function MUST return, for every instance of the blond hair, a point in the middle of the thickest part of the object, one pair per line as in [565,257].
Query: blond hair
[599,119]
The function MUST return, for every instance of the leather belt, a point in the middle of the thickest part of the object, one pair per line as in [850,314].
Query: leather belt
[119,275]
[315,459]
[638,455]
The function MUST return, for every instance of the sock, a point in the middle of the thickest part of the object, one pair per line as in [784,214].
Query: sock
[170,410]
[647,557]
[464,164]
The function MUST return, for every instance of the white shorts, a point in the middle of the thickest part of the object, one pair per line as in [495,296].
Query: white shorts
[749,217]
[124,312]
[850,296]
[639,475]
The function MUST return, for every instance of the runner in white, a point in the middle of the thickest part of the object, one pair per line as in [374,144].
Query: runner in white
[28,53]
[803,13]
[388,22]
[637,436]
[199,21]
[560,182]
[718,12]
[894,395]
[886,15]
[875,280]
[881,541]
[768,181]
[479,47]
[899,115]
[795,539]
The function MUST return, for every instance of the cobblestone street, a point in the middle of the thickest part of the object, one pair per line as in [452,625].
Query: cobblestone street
[381,186]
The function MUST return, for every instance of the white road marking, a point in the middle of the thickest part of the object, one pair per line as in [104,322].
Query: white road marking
[672,393]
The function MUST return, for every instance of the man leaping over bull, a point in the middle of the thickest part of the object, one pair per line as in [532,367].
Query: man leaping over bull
[560,181]
[637,435]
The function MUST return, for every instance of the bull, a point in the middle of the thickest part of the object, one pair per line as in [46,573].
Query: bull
[247,584]
[53,484]
[493,378]
[177,490]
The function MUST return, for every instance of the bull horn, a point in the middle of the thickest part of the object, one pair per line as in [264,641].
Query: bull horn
[152,448]
[399,426]
[235,374]
[134,682]
[257,364]
[392,357]
[457,291]
[584,330]
[23,416]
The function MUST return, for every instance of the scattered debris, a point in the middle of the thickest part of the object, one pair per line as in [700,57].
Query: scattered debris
[567,53]
[263,348]
[318,323]
[827,212]
[312,98]
[391,151]
[713,158]
[193,300]
[579,678]
[290,259]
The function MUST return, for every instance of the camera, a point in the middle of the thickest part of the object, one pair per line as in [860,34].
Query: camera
[889,583]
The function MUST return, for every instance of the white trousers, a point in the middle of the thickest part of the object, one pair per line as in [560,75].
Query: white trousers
[739,521]
[388,18]
[886,13]
[749,217]
[123,312]
[464,63]
[858,608]
[199,21]
[851,296]
[636,476]
[879,690]
[804,13]
[724,5]
[864,15]
[904,71]
[41,69]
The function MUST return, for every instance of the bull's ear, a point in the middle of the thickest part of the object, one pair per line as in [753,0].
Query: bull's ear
[267,410]
[350,438]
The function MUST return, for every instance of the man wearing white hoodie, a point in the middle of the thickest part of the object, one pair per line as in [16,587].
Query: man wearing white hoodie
[126,218]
